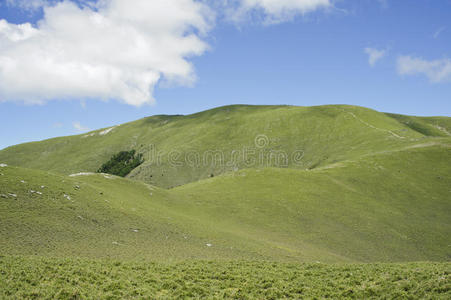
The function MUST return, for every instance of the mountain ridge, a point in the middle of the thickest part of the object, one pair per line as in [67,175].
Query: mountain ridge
[325,135]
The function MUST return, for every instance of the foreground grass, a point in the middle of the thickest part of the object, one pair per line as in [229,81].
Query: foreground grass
[31,277]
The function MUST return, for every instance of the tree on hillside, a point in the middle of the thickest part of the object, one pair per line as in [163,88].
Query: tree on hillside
[122,163]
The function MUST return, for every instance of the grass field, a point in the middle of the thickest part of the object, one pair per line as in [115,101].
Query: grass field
[369,198]
[23,277]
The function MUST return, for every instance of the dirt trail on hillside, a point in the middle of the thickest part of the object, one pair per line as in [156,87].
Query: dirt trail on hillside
[371,126]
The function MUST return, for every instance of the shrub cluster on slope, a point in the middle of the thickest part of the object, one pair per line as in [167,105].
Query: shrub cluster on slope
[122,163]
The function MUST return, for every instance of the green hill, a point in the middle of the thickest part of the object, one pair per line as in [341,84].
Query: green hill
[182,149]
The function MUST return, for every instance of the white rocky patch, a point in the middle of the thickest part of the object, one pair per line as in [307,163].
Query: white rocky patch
[88,135]
[101,133]
[108,130]
[81,174]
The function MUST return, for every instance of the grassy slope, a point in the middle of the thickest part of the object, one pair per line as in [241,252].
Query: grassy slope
[26,278]
[391,206]
[430,126]
[325,134]
[100,219]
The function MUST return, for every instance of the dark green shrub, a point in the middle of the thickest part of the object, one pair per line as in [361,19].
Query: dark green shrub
[122,163]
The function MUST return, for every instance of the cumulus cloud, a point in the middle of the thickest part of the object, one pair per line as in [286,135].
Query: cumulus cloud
[276,11]
[117,49]
[374,55]
[80,128]
[436,70]
[110,49]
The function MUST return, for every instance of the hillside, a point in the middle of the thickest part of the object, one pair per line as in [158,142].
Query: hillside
[183,149]
[391,206]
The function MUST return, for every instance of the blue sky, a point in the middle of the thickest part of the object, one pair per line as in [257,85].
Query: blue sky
[261,55]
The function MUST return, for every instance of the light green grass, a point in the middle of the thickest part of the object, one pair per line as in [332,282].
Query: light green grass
[32,278]
[429,126]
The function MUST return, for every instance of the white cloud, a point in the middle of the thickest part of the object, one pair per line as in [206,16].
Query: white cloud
[374,55]
[438,32]
[119,49]
[436,70]
[80,128]
[116,49]
[276,11]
